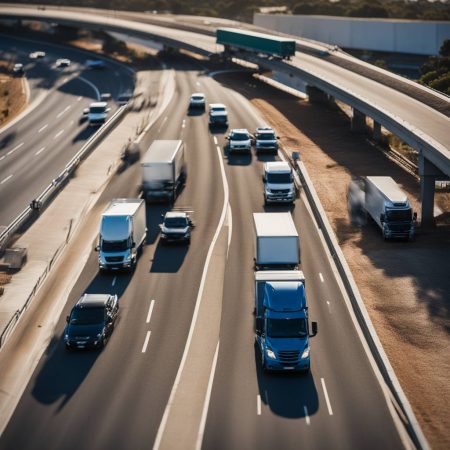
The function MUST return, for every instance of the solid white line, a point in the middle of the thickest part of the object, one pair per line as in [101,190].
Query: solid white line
[92,85]
[163,423]
[201,429]
[215,139]
[308,421]
[6,179]
[79,98]
[183,124]
[219,150]
[63,111]
[15,148]
[71,122]
[43,128]
[330,411]
[329,306]
[150,310]
[321,276]
[162,124]
[258,405]
[2,157]
[114,281]
[144,347]
[58,134]
[40,151]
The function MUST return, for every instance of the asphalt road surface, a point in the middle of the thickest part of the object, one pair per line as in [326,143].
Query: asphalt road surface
[116,398]
[35,149]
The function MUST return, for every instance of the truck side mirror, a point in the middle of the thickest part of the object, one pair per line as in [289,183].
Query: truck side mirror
[97,248]
[314,328]
[259,325]
[415,216]
[67,319]
[382,217]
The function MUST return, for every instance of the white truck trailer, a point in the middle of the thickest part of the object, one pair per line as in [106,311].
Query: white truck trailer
[389,207]
[163,170]
[277,242]
[122,234]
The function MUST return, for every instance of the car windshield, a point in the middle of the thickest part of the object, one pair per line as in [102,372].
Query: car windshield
[115,246]
[87,316]
[175,222]
[197,97]
[218,109]
[394,215]
[265,136]
[97,109]
[239,137]
[279,178]
[287,328]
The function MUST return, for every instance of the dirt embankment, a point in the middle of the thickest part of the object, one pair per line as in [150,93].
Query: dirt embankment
[12,95]
[405,285]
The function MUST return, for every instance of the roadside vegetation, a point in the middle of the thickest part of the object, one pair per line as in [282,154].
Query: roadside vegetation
[436,71]
[243,10]
[12,94]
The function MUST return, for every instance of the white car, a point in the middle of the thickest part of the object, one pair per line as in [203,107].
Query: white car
[266,140]
[37,55]
[62,62]
[18,70]
[197,100]
[218,115]
[239,140]
[98,111]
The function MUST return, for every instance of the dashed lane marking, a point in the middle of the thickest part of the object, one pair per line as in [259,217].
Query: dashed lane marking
[147,337]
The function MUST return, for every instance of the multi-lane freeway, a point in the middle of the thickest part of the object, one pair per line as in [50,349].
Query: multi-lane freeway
[35,149]
[117,398]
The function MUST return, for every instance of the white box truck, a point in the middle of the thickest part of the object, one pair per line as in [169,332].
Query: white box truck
[122,234]
[389,207]
[277,241]
[163,170]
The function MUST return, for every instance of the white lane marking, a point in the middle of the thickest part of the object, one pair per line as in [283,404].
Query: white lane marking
[63,111]
[15,148]
[65,80]
[71,122]
[2,157]
[321,276]
[201,429]
[162,124]
[258,405]
[58,134]
[226,197]
[308,421]
[92,85]
[114,281]
[150,310]
[40,151]
[6,179]
[219,150]
[43,128]
[79,98]
[183,124]
[329,306]
[330,411]
[144,347]
[215,139]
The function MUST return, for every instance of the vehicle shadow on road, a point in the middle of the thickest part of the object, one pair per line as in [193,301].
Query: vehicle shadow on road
[84,134]
[155,214]
[62,373]
[287,394]
[237,159]
[266,157]
[169,258]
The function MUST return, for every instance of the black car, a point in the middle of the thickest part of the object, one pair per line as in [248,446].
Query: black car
[91,321]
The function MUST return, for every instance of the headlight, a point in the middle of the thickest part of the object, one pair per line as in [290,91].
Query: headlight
[66,337]
[270,354]
[305,353]
[99,335]
[127,258]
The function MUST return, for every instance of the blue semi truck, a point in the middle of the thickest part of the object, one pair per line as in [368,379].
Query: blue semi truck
[234,39]
[281,310]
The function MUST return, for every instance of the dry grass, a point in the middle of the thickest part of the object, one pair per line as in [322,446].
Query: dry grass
[12,95]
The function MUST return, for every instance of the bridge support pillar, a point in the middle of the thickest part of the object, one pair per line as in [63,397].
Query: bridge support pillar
[316,95]
[377,135]
[358,122]
[428,173]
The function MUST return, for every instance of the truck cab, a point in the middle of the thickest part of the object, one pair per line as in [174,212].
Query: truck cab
[278,183]
[281,321]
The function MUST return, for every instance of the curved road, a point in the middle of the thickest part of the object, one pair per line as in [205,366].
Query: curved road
[116,398]
[36,148]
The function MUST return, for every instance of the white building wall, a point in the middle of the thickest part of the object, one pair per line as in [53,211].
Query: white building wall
[390,35]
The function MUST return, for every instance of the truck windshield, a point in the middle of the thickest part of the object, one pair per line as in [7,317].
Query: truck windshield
[87,316]
[398,215]
[265,136]
[287,328]
[115,246]
[175,222]
[279,178]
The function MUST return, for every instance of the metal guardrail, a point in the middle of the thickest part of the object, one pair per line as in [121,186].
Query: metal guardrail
[43,199]
[376,348]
